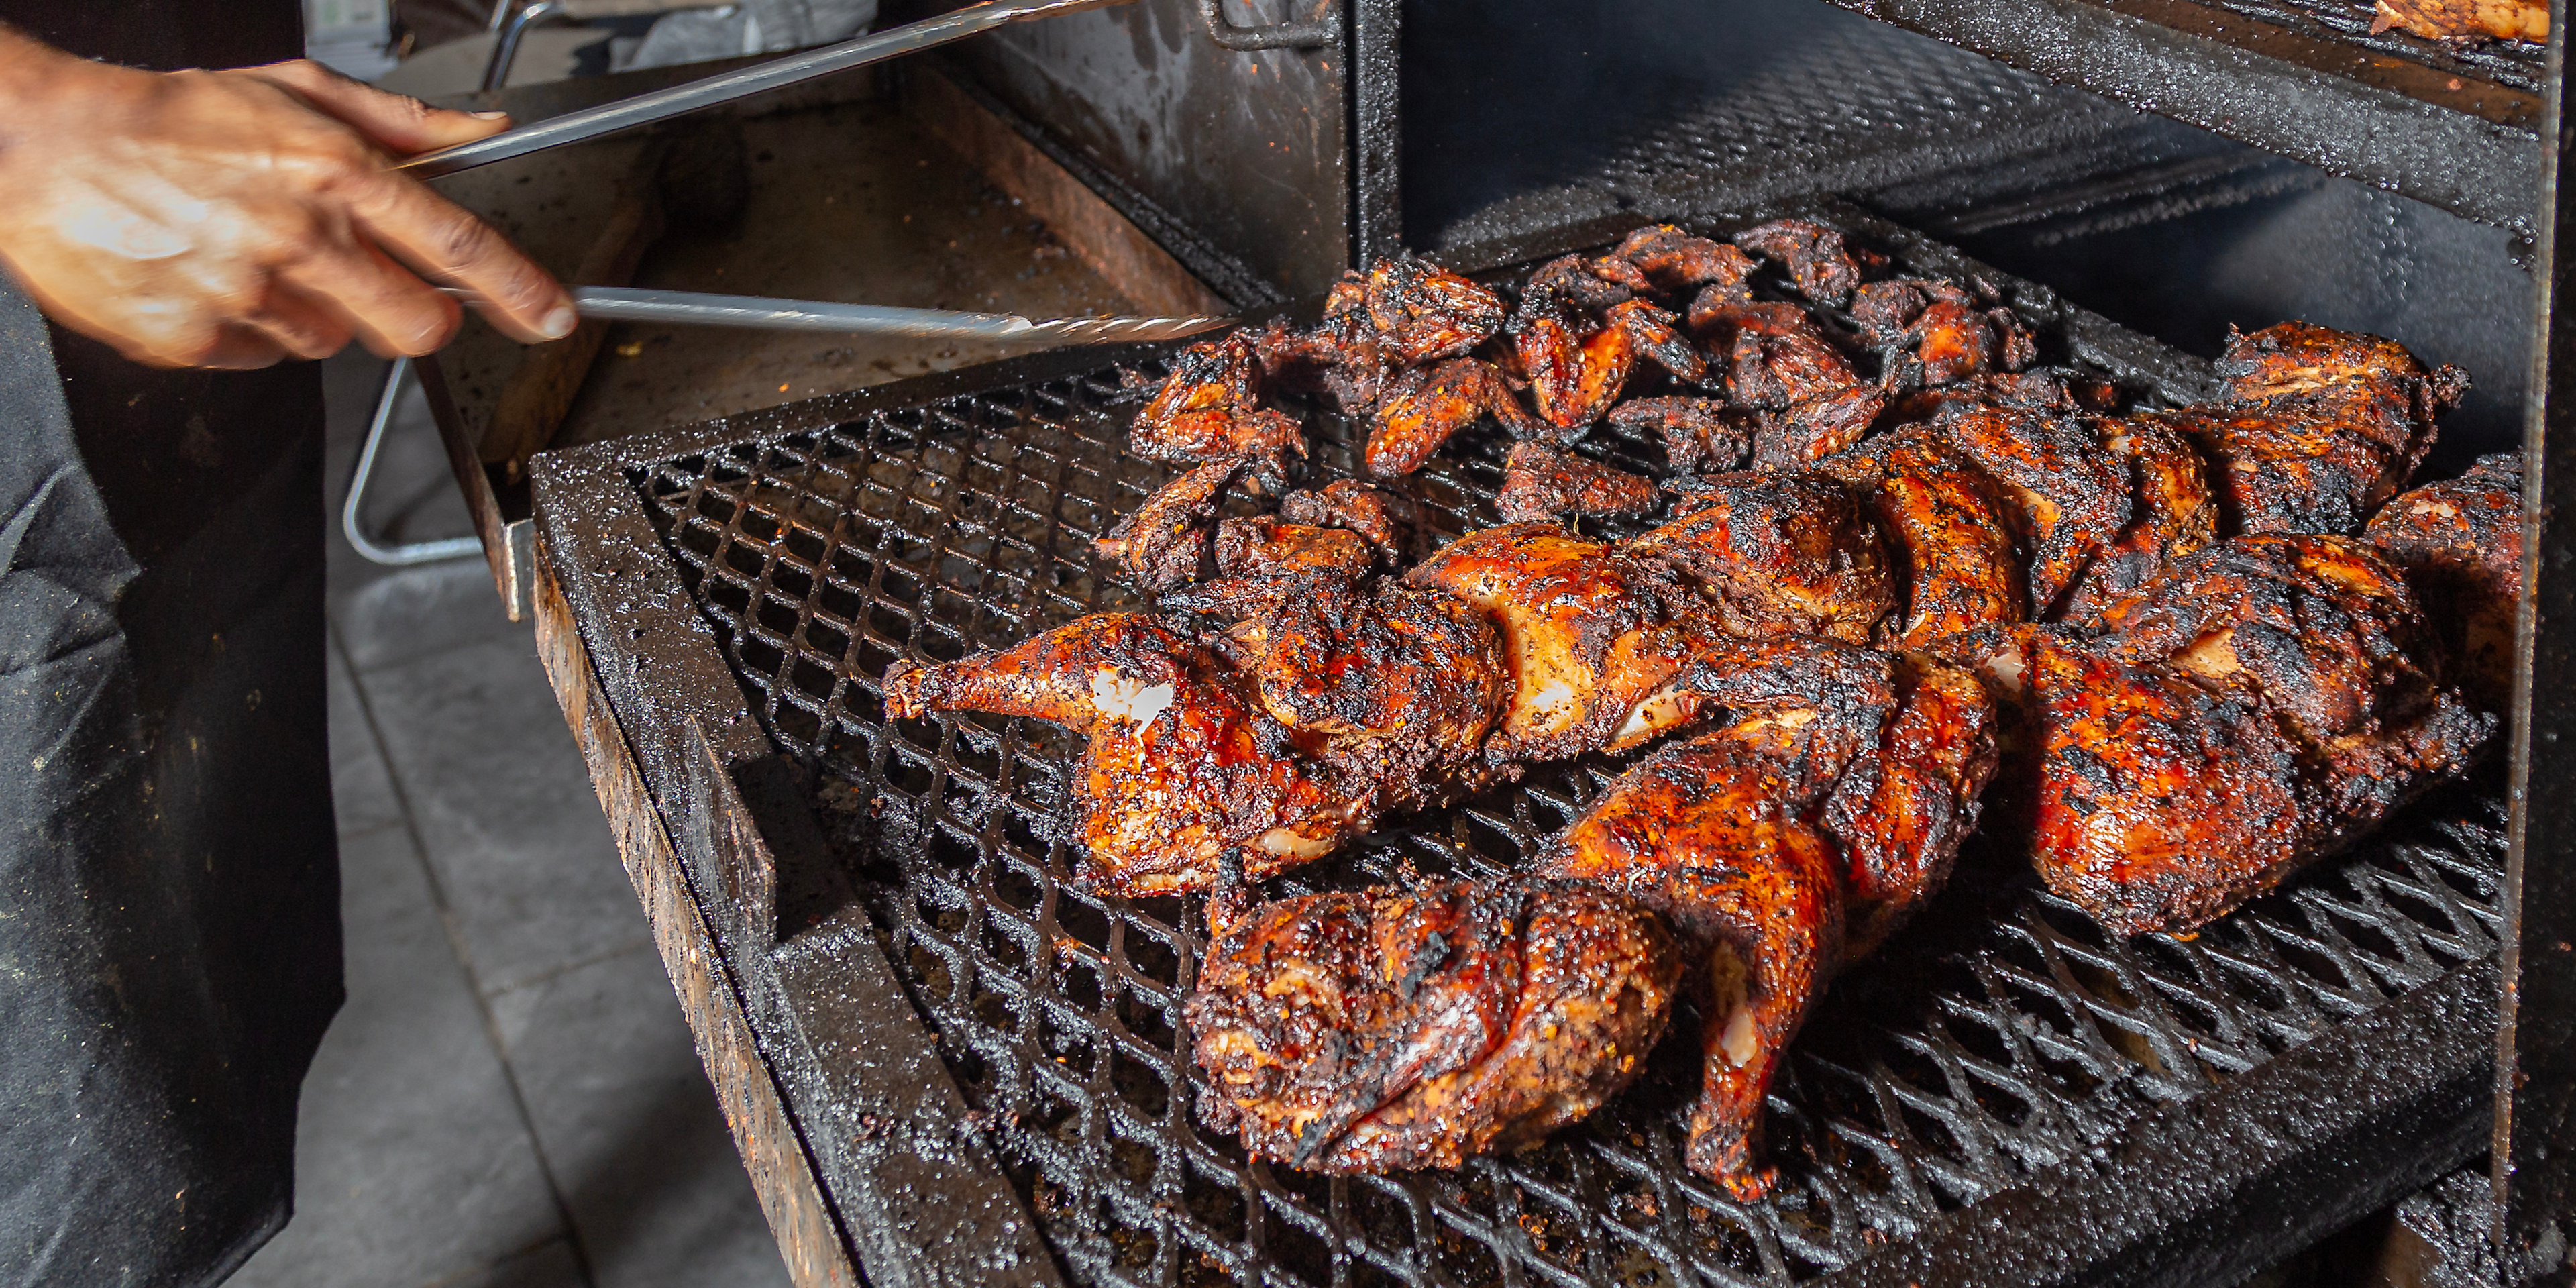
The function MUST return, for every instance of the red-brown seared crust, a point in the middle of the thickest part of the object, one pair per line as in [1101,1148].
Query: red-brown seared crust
[1933,332]
[1781,554]
[2171,514]
[2317,428]
[1161,800]
[2460,544]
[2068,498]
[1384,519]
[1715,836]
[1699,434]
[1817,426]
[1540,482]
[1818,263]
[1425,312]
[1164,542]
[1424,406]
[1264,546]
[1385,1030]
[1651,335]
[1776,355]
[1210,408]
[1586,631]
[1675,262]
[1574,375]
[1945,528]
[1902,812]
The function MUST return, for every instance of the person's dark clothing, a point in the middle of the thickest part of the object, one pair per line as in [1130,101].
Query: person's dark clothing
[169,887]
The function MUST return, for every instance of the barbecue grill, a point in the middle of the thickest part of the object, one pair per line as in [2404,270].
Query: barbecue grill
[947,1063]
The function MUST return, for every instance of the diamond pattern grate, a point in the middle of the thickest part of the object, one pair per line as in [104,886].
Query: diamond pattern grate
[1998,1035]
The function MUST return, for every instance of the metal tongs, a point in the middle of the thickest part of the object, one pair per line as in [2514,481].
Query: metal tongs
[644,109]
[761,313]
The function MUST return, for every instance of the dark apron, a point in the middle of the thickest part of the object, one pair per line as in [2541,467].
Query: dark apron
[169,888]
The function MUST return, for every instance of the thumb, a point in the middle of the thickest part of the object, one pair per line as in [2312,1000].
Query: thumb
[398,123]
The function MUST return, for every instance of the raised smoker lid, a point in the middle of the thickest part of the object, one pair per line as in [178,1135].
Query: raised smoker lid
[2003,1095]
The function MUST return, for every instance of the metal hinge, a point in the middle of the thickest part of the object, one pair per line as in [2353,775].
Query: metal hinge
[1320,29]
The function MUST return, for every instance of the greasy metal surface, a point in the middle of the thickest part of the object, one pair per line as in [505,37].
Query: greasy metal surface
[2535,1129]
[2001,1050]
[1522,121]
[857,203]
[2512,64]
[2165,56]
[1244,150]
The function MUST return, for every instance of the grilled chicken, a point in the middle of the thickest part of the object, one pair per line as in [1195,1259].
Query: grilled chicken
[1382,518]
[2066,496]
[2317,427]
[1393,1029]
[2460,543]
[1422,407]
[1209,408]
[1776,355]
[1164,542]
[1425,312]
[1384,1029]
[1934,332]
[1780,554]
[1677,263]
[2257,706]
[1819,264]
[1540,482]
[1700,435]
[1946,529]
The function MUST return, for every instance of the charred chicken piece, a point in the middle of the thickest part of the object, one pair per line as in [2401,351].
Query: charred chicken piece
[1386,1029]
[1570,285]
[2317,428]
[1183,765]
[1934,332]
[2259,706]
[1587,632]
[2171,514]
[1819,264]
[2460,544]
[1382,518]
[1209,408]
[1267,546]
[1781,554]
[1424,406]
[1817,426]
[2060,391]
[1785,845]
[1575,374]
[1776,354]
[1946,529]
[2068,498]
[1699,434]
[1164,542]
[1651,334]
[1677,263]
[1425,312]
[1540,482]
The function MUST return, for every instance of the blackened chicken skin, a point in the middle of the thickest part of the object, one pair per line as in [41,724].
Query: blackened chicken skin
[1780,554]
[1425,312]
[1268,547]
[1209,408]
[2317,427]
[1183,765]
[1677,263]
[1423,407]
[1540,482]
[1946,529]
[2068,497]
[1820,265]
[1817,426]
[2172,513]
[1776,354]
[1164,542]
[1700,435]
[1935,332]
[1384,1030]
[1382,518]
[2460,544]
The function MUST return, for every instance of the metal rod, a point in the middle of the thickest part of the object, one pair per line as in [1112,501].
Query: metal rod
[763,313]
[644,109]
[397,556]
[514,26]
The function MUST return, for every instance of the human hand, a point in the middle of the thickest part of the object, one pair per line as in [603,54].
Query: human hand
[231,219]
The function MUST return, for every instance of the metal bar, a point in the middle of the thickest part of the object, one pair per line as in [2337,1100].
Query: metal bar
[514,28]
[1377,129]
[2535,1124]
[644,109]
[1319,31]
[351,526]
[2159,55]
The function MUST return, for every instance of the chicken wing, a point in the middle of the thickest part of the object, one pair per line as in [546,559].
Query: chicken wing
[1820,265]
[1425,312]
[1699,434]
[2460,544]
[1540,482]
[1209,408]
[1424,406]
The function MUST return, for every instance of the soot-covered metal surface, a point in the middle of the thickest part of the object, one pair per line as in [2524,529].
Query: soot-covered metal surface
[1998,1043]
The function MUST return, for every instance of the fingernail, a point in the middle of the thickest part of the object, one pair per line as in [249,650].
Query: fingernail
[559,323]
[491,116]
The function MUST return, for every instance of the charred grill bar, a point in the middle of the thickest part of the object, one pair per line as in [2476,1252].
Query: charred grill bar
[946,1062]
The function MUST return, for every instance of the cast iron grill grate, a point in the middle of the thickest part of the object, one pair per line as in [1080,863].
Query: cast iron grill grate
[1998,1035]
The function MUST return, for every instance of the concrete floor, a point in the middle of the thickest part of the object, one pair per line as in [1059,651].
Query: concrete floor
[510,1096]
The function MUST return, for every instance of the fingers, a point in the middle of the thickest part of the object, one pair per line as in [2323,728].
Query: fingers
[447,244]
[399,124]
[383,303]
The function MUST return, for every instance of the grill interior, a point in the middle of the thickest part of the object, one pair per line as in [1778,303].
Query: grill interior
[1999,1034]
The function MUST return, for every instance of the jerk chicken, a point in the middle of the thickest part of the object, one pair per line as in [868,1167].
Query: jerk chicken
[1896,560]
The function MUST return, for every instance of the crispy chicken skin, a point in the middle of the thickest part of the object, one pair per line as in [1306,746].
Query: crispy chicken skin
[1423,407]
[1677,263]
[1574,374]
[1776,355]
[1382,518]
[1210,408]
[1932,332]
[1425,312]
[1390,1029]
[1265,546]
[1819,264]
[1780,554]
[1164,542]
[1540,482]
[1946,529]
[1586,632]
[2256,707]
[2317,427]
[1699,434]
[1816,427]
[1183,765]
[2171,514]
[2067,497]
[2460,544]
